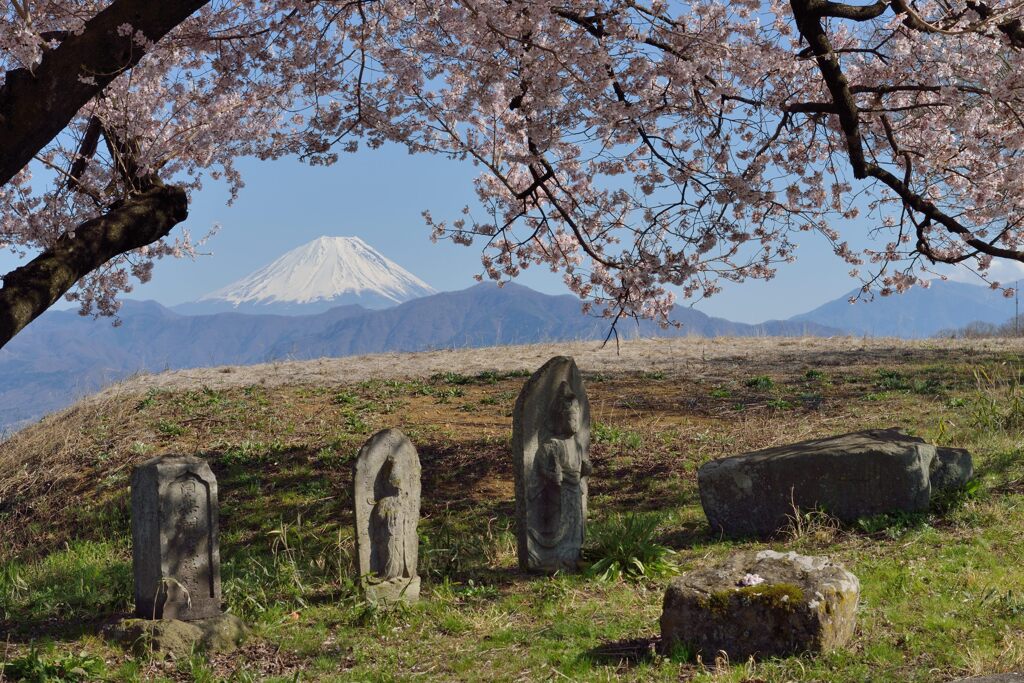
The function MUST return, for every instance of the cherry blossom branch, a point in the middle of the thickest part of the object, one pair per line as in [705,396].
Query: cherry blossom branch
[36,106]
[807,14]
[141,220]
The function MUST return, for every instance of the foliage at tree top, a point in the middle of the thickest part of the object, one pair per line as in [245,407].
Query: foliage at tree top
[637,147]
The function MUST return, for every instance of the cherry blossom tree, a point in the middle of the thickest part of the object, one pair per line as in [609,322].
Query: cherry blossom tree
[640,148]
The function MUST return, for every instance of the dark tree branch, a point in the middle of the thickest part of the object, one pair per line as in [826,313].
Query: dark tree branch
[86,150]
[36,106]
[142,219]
[826,8]
[808,22]
[1013,29]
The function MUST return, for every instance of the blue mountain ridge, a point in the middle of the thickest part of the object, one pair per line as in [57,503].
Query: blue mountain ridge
[63,356]
[917,313]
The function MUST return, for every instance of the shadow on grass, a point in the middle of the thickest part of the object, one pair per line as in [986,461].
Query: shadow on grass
[623,654]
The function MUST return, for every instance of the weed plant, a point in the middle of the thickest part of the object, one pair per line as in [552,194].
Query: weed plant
[625,546]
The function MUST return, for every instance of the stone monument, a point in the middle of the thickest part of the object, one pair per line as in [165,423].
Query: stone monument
[175,549]
[551,451]
[850,476]
[386,491]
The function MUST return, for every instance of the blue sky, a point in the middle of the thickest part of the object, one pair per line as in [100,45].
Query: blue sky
[379,195]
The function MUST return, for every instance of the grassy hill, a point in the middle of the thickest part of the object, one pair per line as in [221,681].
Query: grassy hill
[943,593]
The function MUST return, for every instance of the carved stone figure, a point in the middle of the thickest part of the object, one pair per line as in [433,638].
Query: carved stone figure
[175,549]
[551,447]
[386,490]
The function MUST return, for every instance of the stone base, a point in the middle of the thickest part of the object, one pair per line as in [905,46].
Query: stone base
[760,604]
[994,678]
[174,638]
[393,591]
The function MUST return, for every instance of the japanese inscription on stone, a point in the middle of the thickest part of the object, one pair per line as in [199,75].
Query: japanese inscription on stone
[174,534]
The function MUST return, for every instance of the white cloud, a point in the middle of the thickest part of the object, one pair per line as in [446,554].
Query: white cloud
[1002,271]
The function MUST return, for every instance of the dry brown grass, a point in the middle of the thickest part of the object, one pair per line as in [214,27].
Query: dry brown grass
[694,356]
[68,464]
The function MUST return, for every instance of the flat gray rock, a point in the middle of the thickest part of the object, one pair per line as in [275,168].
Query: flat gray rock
[551,463]
[175,551]
[994,678]
[760,604]
[850,476]
[386,491]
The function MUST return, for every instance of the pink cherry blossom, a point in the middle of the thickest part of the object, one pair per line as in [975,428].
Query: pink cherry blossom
[647,150]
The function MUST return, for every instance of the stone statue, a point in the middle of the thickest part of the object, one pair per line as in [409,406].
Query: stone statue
[387,501]
[551,446]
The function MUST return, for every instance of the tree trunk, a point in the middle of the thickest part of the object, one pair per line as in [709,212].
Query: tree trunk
[143,219]
[36,106]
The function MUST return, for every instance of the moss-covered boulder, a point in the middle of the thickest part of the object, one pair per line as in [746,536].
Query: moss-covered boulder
[760,604]
[175,638]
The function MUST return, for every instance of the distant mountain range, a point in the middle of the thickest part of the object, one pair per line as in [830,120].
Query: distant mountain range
[62,355]
[920,312]
[316,301]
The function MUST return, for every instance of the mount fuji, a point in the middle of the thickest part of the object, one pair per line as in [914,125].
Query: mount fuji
[323,274]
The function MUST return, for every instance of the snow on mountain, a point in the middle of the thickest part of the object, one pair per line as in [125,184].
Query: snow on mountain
[327,272]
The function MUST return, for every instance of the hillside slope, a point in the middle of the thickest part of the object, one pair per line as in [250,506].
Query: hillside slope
[940,590]
[62,355]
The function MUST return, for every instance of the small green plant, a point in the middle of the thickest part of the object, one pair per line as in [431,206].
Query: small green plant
[139,448]
[345,398]
[760,382]
[36,667]
[680,652]
[355,424]
[615,436]
[998,401]
[626,547]
[892,380]
[926,386]
[655,375]
[720,392]
[1008,604]
[169,428]
[892,525]
[779,404]
[947,500]
[451,378]
[813,375]
[147,402]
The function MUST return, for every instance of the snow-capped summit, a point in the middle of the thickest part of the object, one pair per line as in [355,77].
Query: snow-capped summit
[327,272]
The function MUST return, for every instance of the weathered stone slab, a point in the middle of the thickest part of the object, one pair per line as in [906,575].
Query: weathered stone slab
[386,491]
[850,476]
[551,463]
[175,548]
[760,604]
[171,637]
[951,469]
[994,678]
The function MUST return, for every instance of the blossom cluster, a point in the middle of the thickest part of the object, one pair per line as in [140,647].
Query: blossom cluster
[645,150]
